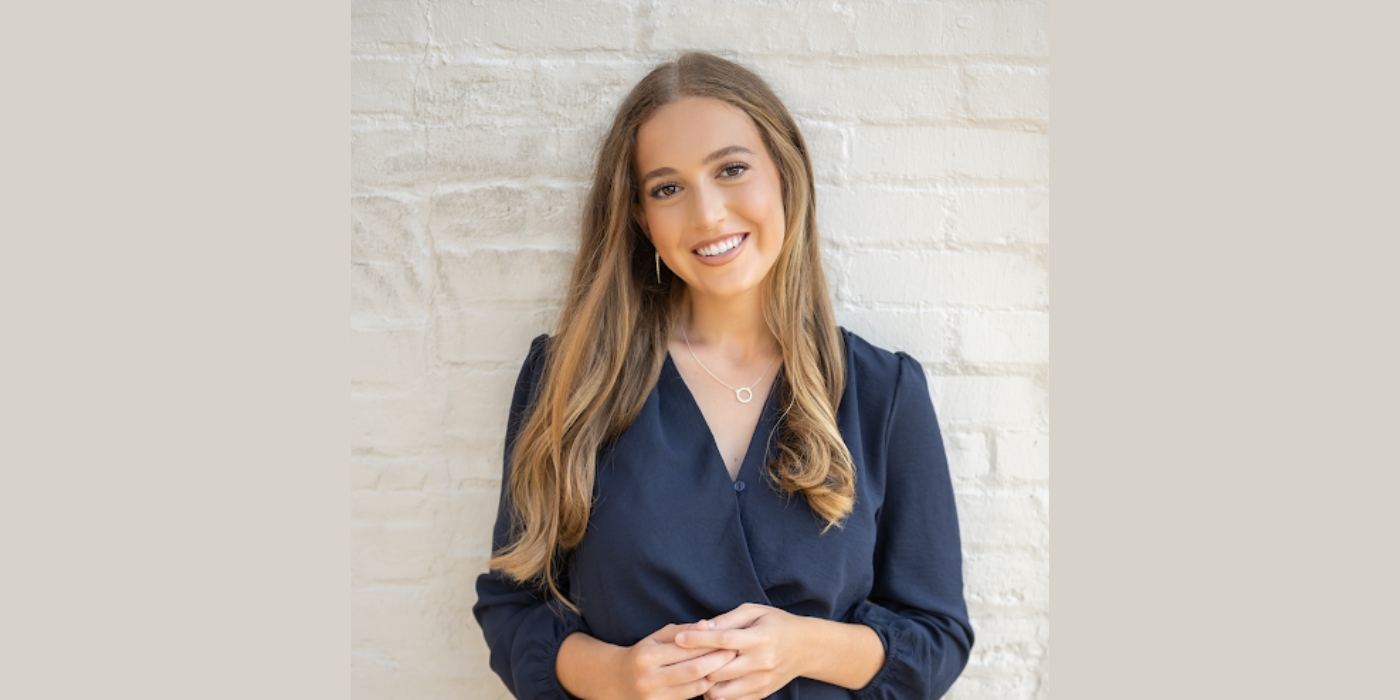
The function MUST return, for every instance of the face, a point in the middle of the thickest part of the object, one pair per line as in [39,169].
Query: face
[711,196]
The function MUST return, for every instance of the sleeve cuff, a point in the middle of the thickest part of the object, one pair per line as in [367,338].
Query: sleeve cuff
[544,657]
[889,680]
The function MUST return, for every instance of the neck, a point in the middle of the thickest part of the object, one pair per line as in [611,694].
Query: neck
[733,327]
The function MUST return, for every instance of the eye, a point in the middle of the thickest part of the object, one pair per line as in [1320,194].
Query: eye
[657,193]
[734,169]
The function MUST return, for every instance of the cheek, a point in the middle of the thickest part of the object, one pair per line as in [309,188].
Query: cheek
[660,225]
[764,205]
[774,223]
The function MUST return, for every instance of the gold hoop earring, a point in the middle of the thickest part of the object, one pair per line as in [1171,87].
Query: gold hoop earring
[658,267]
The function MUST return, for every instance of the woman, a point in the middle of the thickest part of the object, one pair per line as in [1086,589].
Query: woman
[709,487]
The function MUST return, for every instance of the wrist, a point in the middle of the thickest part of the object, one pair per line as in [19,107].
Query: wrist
[814,636]
[845,655]
[580,659]
[612,679]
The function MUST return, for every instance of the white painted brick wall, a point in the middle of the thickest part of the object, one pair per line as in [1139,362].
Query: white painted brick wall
[473,126]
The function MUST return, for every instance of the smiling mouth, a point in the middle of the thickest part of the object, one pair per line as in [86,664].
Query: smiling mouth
[721,247]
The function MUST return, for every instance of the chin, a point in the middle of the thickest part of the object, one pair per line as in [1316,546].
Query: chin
[728,290]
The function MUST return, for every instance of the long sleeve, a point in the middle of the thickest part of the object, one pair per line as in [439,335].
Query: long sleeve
[523,629]
[916,605]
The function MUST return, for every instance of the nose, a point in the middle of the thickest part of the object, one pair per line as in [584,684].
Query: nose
[708,207]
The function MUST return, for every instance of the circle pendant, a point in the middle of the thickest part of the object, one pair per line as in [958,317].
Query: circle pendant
[743,394]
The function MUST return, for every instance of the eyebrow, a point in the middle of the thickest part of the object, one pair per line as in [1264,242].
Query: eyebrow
[727,150]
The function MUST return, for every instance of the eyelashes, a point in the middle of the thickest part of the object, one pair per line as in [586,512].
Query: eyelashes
[656,192]
[741,167]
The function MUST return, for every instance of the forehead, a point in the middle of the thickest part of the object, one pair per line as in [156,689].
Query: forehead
[682,133]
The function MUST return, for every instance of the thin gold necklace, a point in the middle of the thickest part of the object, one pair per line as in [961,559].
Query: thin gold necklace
[741,391]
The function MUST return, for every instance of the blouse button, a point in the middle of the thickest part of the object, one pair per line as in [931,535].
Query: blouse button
[738,486]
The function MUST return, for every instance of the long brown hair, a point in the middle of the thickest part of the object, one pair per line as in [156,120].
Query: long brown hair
[606,353]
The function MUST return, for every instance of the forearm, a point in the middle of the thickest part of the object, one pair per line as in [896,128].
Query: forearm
[842,654]
[581,664]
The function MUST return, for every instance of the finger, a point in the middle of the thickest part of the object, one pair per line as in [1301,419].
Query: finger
[693,689]
[667,634]
[698,668]
[737,639]
[742,616]
[723,691]
[749,687]
[738,667]
[656,656]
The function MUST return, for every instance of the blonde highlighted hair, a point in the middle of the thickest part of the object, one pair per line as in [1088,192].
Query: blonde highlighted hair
[607,351]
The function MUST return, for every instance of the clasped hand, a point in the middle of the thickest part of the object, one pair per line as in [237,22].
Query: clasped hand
[747,653]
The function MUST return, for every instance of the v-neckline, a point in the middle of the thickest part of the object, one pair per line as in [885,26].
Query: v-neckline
[763,418]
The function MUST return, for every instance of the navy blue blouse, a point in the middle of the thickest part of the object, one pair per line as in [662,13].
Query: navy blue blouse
[672,539]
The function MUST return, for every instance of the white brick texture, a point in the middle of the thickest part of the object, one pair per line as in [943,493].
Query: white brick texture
[474,125]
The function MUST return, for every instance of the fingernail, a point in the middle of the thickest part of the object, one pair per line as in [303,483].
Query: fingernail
[680,638]
[712,626]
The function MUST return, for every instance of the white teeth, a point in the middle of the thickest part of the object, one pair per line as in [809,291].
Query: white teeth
[721,247]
